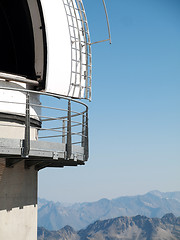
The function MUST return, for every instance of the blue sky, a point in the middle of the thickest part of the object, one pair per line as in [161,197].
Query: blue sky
[135,114]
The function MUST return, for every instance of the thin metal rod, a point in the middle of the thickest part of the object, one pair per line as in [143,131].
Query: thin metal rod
[76,143]
[64,131]
[107,19]
[69,141]
[16,78]
[58,96]
[50,136]
[83,126]
[108,25]
[26,142]
[106,40]
[86,144]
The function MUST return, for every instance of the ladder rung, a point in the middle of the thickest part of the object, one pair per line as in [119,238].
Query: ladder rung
[77,39]
[74,60]
[76,18]
[78,85]
[81,51]
[85,64]
[79,73]
[78,50]
[78,29]
[74,7]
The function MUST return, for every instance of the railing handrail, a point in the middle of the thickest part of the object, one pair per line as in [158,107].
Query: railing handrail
[69,125]
[59,96]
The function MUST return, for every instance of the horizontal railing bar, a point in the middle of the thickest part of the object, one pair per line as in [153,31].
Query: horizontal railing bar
[53,136]
[79,134]
[75,122]
[59,118]
[76,143]
[55,128]
[44,94]
[53,119]
[50,129]
[47,107]
[75,125]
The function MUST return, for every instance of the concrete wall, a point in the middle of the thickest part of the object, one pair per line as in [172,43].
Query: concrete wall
[18,202]
[16,132]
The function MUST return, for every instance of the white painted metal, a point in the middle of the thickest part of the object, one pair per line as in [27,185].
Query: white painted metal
[59,47]
[67,48]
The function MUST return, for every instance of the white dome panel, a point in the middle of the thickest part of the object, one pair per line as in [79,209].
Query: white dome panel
[59,47]
[68,45]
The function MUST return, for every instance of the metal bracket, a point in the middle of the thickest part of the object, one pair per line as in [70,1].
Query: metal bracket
[55,155]
[75,157]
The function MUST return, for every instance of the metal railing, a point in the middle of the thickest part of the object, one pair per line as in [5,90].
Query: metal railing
[63,120]
[81,72]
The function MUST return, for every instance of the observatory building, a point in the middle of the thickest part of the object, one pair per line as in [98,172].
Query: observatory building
[45,72]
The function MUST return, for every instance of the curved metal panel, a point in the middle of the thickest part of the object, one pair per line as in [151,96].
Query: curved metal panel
[40,46]
[69,55]
[59,47]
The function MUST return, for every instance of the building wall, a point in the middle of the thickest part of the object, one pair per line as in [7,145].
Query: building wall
[17,131]
[18,202]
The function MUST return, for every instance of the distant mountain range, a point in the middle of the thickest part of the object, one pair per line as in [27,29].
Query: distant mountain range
[124,228]
[54,216]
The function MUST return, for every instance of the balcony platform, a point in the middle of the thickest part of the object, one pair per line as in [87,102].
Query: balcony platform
[42,154]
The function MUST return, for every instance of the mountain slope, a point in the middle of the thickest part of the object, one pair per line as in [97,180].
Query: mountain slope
[54,216]
[66,233]
[124,228]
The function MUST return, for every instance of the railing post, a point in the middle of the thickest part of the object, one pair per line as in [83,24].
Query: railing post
[26,141]
[86,144]
[69,142]
[63,131]
[83,130]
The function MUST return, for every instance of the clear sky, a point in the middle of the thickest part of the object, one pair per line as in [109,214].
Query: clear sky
[135,112]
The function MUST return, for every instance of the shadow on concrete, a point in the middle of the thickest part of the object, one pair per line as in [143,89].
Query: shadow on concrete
[18,186]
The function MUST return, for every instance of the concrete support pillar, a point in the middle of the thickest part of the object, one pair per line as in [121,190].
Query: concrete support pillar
[18,202]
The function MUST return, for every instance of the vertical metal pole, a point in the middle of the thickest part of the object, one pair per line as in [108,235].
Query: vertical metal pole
[26,142]
[83,130]
[86,144]
[69,142]
[63,131]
